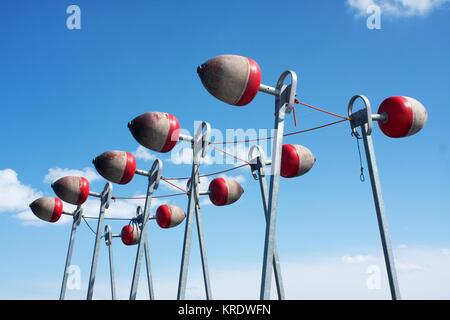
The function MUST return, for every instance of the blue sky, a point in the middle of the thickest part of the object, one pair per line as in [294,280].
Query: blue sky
[66,96]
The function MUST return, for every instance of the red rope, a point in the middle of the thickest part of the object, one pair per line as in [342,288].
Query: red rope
[173,184]
[320,109]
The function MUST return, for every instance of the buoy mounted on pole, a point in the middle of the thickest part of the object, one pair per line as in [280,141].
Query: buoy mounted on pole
[397,117]
[236,80]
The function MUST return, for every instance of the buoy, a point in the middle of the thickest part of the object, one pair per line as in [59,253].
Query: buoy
[296,160]
[224,191]
[72,189]
[169,216]
[405,116]
[157,131]
[130,234]
[116,166]
[47,208]
[231,78]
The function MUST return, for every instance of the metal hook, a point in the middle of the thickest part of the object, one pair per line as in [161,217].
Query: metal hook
[203,138]
[155,172]
[257,162]
[108,235]
[292,88]
[106,194]
[360,117]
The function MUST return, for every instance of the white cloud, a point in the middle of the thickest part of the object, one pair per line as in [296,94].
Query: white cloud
[397,8]
[144,154]
[15,196]
[56,173]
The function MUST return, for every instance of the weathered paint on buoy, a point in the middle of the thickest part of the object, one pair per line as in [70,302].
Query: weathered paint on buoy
[296,160]
[72,189]
[405,116]
[231,78]
[130,234]
[169,216]
[224,191]
[157,131]
[47,208]
[116,166]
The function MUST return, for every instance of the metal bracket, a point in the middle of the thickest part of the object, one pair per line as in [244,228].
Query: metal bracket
[76,215]
[200,144]
[154,176]
[284,103]
[104,204]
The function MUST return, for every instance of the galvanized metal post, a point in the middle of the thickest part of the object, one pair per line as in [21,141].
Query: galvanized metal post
[139,217]
[154,176]
[77,214]
[108,241]
[363,119]
[151,294]
[105,199]
[284,103]
[258,171]
[201,241]
[199,145]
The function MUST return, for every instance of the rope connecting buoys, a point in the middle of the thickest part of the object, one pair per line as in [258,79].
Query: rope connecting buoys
[72,189]
[130,234]
[47,208]
[296,160]
[405,116]
[231,78]
[224,191]
[157,131]
[169,216]
[116,166]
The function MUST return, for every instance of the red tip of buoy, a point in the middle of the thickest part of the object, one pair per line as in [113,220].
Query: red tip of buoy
[157,131]
[169,216]
[296,160]
[72,189]
[130,234]
[231,78]
[116,166]
[405,116]
[47,208]
[224,191]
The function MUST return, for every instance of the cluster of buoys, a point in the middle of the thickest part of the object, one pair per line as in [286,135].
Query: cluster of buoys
[235,80]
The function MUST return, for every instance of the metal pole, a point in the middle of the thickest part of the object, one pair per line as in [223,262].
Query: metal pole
[154,176]
[201,241]
[199,145]
[104,204]
[108,241]
[284,103]
[258,173]
[381,214]
[364,120]
[76,222]
[149,271]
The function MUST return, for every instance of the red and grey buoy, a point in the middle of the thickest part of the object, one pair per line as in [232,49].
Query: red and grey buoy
[224,191]
[116,166]
[169,216]
[401,116]
[130,234]
[231,78]
[47,208]
[157,131]
[296,160]
[72,189]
